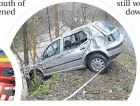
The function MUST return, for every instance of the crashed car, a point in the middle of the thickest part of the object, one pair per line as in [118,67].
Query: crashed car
[91,46]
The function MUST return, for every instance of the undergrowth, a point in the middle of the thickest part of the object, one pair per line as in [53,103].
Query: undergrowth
[43,87]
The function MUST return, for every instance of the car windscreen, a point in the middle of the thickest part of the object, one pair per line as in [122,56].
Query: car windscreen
[105,26]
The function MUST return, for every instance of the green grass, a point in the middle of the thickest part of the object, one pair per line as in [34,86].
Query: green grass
[78,80]
[129,64]
[120,87]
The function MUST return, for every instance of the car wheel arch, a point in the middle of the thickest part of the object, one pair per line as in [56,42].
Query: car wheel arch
[92,53]
[31,72]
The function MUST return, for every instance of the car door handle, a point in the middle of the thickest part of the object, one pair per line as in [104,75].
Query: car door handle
[82,48]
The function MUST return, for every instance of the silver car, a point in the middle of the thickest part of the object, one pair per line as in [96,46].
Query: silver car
[91,46]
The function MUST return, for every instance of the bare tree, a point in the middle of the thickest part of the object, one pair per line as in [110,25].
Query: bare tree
[25,44]
[49,26]
[56,23]
[34,38]
[34,45]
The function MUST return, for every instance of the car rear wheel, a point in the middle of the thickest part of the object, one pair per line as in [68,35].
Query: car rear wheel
[98,62]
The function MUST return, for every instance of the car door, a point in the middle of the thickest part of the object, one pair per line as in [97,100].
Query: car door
[74,47]
[51,58]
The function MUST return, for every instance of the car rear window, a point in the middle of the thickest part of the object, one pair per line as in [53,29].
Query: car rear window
[105,26]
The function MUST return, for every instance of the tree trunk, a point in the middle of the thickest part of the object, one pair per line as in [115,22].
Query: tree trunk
[25,44]
[34,39]
[56,24]
[49,26]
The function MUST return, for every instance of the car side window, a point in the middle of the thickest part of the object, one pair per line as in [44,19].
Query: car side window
[74,40]
[52,50]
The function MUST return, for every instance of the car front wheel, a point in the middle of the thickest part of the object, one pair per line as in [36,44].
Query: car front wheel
[39,76]
[98,62]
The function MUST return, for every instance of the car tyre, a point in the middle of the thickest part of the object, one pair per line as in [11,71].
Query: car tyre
[39,76]
[98,62]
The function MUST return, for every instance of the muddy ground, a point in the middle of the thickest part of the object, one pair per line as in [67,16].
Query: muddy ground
[117,84]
